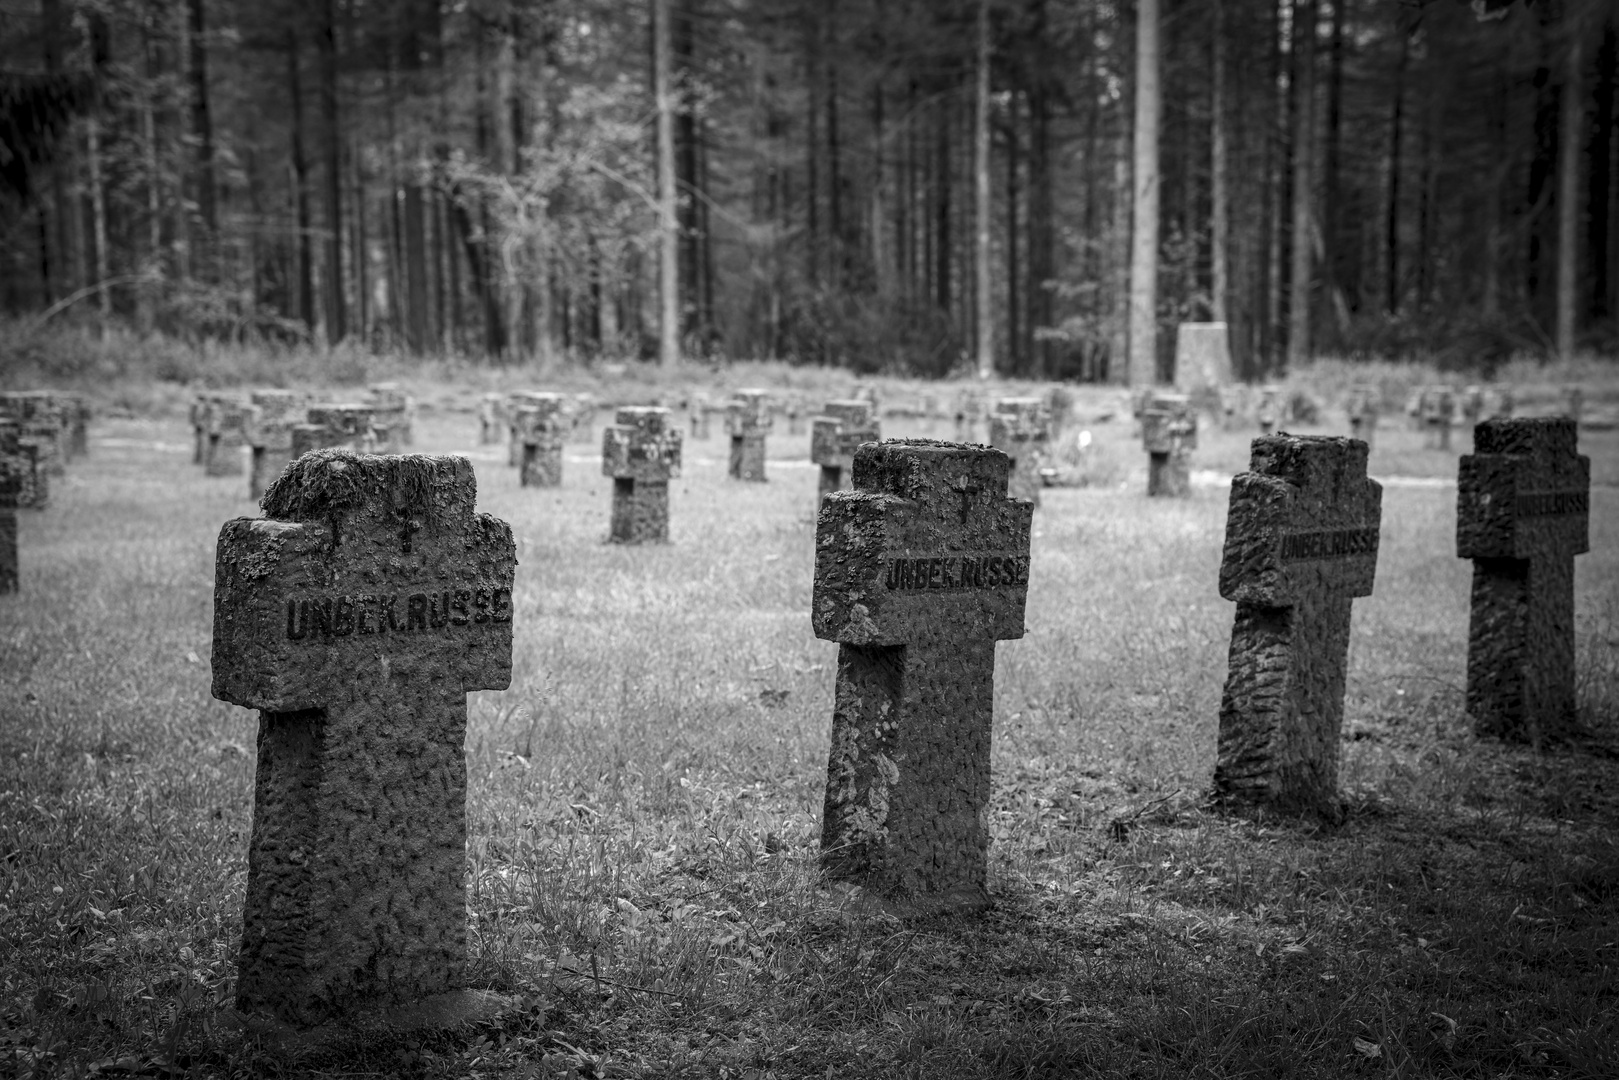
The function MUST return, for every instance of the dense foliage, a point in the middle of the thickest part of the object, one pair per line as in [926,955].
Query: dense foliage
[480,176]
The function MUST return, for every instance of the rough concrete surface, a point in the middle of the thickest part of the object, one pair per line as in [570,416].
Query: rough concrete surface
[918,572]
[1522,515]
[356,615]
[1301,543]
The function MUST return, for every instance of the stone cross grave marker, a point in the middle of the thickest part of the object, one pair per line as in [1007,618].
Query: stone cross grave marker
[541,426]
[747,422]
[334,424]
[394,418]
[269,435]
[1522,514]
[227,437]
[1301,543]
[583,417]
[641,452]
[918,572]
[205,408]
[1361,408]
[834,435]
[1269,413]
[1438,406]
[1472,403]
[22,456]
[699,407]
[356,615]
[1573,402]
[969,413]
[513,403]
[1169,435]
[10,486]
[794,411]
[491,419]
[1021,429]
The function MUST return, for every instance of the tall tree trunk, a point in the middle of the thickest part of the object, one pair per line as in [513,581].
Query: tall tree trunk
[204,251]
[326,47]
[1300,278]
[300,189]
[1219,216]
[1143,364]
[1495,187]
[669,248]
[100,54]
[1017,355]
[1598,197]
[59,278]
[1333,211]
[941,209]
[1042,267]
[1391,221]
[1569,141]
[986,324]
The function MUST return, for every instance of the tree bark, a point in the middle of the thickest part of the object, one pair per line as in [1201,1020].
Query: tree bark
[669,248]
[1300,277]
[1143,363]
[204,253]
[981,260]
[1569,142]
[1391,221]
[326,46]
[300,189]
[1219,218]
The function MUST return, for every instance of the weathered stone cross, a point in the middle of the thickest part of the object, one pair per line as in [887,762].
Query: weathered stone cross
[834,436]
[1169,434]
[541,427]
[747,422]
[269,435]
[1301,543]
[1021,428]
[334,424]
[356,615]
[1522,514]
[916,594]
[641,452]
[10,485]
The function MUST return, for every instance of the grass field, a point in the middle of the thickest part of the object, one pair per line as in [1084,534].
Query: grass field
[645,800]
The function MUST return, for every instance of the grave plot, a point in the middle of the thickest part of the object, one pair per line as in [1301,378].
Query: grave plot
[1301,543]
[918,572]
[1522,514]
[834,437]
[356,615]
[641,452]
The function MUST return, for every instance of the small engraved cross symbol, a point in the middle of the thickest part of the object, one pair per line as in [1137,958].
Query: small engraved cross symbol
[405,532]
[966,492]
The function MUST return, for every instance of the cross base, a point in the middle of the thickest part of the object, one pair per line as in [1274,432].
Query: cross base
[908,775]
[1520,655]
[1282,709]
[1169,474]
[748,458]
[640,511]
[541,465]
[355,865]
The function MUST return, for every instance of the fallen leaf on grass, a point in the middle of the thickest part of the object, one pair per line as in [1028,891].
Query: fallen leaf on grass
[1367,1049]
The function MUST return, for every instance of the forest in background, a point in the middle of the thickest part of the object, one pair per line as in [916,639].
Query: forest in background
[908,186]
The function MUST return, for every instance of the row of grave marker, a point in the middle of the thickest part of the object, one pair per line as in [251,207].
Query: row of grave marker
[40,432]
[355,888]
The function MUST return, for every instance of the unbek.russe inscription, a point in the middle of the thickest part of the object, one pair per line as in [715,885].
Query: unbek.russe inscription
[1328,544]
[363,613]
[1552,503]
[956,572]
